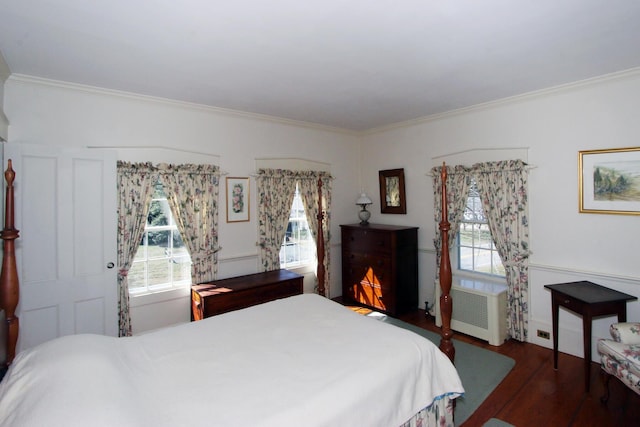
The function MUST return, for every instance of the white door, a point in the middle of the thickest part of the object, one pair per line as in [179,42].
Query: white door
[65,211]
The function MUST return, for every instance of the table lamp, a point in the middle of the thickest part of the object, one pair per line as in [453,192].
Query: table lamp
[364,214]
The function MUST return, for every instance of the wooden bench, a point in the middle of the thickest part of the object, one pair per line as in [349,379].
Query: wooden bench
[221,296]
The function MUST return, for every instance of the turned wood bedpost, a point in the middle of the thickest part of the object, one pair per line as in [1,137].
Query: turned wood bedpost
[9,286]
[446,303]
[320,243]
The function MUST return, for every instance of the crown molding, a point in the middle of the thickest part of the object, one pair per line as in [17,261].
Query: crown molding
[607,78]
[616,76]
[27,79]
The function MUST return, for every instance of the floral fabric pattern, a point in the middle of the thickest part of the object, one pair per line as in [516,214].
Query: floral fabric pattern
[628,333]
[237,198]
[458,183]
[276,189]
[192,193]
[620,357]
[503,191]
[439,413]
[308,187]
[135,189]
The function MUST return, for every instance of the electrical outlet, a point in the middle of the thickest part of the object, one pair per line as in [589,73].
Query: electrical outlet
[543,334]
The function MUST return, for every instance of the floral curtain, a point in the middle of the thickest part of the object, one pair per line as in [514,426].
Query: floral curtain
[458,183]
[276,189]
[308,187]
[192,193]
[503,191]
[135,189]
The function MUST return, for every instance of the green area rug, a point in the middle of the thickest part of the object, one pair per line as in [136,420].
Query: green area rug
[494,422]
[480,370]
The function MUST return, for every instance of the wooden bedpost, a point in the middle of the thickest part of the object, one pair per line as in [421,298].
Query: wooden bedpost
[446,303]
[9,286]
[320,243]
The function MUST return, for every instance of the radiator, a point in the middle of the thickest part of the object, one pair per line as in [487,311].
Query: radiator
[479,309]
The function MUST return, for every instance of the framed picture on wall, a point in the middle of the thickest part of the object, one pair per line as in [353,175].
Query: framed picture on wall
[237,199]
[609,181]
[392,196]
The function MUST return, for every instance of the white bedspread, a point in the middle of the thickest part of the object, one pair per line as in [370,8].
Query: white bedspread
[299,361]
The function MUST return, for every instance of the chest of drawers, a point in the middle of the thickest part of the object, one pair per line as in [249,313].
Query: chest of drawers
[380,267]
[221,296]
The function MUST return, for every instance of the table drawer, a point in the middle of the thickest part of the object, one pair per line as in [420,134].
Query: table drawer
[570,303]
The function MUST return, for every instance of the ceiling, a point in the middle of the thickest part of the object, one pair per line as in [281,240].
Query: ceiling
[350,64]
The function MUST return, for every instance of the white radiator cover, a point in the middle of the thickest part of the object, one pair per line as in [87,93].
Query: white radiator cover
[479,309]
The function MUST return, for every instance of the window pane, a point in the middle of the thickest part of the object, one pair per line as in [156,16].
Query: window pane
[484,236]
[498,268]
[136,275]
[141,253]
[298,247]
[158,272]
[162,261]
[158,243]
[476,250]
[179,249]
[159,213]
[483,260]
[466,258]
[181,269]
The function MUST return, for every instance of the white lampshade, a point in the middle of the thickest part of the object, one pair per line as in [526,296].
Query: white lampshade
[363,200]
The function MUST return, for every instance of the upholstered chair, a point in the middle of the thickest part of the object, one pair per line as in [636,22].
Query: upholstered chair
[621,356]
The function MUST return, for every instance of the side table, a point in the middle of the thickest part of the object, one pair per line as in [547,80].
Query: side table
[589,300]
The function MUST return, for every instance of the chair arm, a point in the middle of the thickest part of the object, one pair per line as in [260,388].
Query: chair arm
[626,333]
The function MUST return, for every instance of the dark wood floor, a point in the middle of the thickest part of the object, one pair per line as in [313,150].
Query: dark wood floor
[534,395]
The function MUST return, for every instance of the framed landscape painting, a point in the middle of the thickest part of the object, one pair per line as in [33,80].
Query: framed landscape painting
[609,181]
[237,199]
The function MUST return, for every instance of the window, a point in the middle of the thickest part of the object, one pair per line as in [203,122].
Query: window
[476,250]
[162,262]
[298,248]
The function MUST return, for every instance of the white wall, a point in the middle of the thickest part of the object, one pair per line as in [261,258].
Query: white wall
[4,75]
[55,113]
[554,125]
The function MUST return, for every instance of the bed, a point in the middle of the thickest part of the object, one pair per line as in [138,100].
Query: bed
[302,360]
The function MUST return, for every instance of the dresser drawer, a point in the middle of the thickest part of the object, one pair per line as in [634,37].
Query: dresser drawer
[362,274]
[366,259]
[373,296]
[367,241]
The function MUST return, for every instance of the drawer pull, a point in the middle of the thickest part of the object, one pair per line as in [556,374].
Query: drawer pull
[567,301]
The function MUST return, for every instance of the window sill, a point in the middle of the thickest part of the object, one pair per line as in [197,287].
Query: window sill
[302,269]
[486,285]
[137,300]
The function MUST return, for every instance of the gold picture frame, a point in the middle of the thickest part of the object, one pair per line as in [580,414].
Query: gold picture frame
[609,181]
[392,195]
[238,207]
